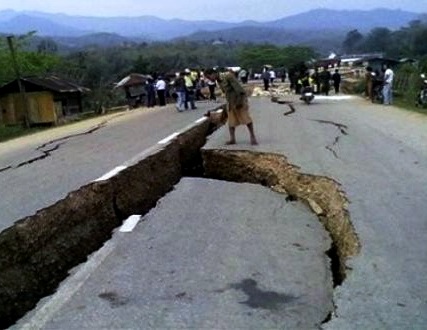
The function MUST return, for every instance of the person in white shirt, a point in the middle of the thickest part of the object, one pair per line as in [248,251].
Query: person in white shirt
[388,86]
[161,91]
[272,76]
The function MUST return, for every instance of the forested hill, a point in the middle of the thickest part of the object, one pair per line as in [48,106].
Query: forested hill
[156,28]
[361,20]
[322,41]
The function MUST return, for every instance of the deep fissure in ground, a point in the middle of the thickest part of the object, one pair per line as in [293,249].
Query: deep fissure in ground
[38,251]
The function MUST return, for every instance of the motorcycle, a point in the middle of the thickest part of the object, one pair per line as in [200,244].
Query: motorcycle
[307,94]
[422,94]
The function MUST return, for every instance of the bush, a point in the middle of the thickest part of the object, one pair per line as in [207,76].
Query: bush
[407,83]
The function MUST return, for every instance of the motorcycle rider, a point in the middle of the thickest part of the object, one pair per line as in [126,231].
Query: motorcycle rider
[307,82]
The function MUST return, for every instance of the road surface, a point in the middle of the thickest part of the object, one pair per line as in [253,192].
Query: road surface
[40,169]
[378,157]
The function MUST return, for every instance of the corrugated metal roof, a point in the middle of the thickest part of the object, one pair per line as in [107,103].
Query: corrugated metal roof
[56,84]
[133,79]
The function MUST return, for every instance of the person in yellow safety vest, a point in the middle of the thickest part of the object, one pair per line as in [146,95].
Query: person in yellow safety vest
[194,75]
[189,90]
[306,81]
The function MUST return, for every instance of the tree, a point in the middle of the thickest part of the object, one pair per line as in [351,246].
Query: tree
[379,39]
[419,45]
[141,65]
[256,56]
[352,41]
[47,46]
[28,62]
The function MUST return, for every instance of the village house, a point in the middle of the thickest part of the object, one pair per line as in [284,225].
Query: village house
[46,100]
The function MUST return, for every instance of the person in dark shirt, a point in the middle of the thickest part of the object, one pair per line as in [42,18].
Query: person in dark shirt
[336,77]
[325,78]
[180,92]
[266,78]
[151,93]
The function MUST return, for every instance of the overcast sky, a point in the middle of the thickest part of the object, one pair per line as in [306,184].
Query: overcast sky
[225,10]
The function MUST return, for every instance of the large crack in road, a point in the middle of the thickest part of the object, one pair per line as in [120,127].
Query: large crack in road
[322,194]
[45,153]
[38,251]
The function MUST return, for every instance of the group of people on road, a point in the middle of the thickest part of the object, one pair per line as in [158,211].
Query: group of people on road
[319,81]
[155,92]
[185,88]
[188,86]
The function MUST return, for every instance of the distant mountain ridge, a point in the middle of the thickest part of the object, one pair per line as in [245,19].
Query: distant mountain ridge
[154,28]
[347,19]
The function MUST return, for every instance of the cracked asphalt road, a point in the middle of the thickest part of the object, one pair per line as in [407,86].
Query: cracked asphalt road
[382,168]
[381,165]
[343,130]
[40,169]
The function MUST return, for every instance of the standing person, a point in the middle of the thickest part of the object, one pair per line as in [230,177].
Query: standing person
[243,76]
[180,92]
[293,78]
[272,76]
[369,83]
[336,77]
[189,90]
[325,79]
[266,78]
[211,85]
[316,80]
[298,84]
[237,105]
[161,91]
[198,87]
[151,93]
[283,76]
[388,86]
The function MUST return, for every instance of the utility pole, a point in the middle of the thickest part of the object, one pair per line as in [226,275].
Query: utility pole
[18,78]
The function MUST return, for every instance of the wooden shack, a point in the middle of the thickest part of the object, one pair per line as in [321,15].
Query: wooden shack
[46,99]
[134,87]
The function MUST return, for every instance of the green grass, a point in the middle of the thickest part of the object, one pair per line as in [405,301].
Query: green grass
[11,132]
[407,105]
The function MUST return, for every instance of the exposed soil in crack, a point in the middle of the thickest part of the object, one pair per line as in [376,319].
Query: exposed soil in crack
[37,252]
[341,127]
[322,194]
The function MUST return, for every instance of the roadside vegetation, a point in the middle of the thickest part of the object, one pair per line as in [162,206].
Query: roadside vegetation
[407,42]
[11,132]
